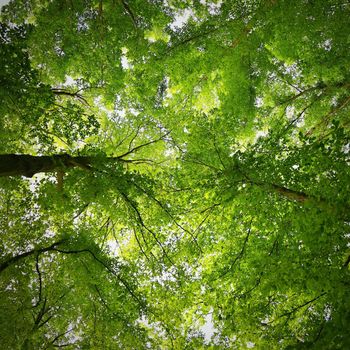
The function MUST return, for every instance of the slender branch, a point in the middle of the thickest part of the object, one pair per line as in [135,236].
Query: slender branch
[140,246]
[301,93]
[161,205]
[52,247]
[63,345]
[241,253]
[191,38]
[319,333]
[80,211]
[107,268]
[200,162]
[300,115]
[326,118]
[101,297]
[60,335]
[135,149]
[210,211]
[296,308]
[141,161]
[204,33]
[40,280]
[40,315]
[19,257]
[46,321]
[129,12]
[347,262]
[63,92]
[274,246]
[46,131]
[134,137]
[256,285]
[134,207]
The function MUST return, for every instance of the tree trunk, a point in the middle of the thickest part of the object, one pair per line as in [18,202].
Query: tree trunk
[291,194]
[26,165]
[337,209]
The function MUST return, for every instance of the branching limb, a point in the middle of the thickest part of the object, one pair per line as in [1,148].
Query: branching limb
[19,257]
[40,280]
[303,92]
[209,211]
[43,310]
[59,336]
[166,210]
[138,214]
[241,253]
[326,119]
[101,297]
[140,246]
[64,92]
[129,12]
[80,211]
[200,162]
[134,136]
[135,149]
[108,268]
[296,308]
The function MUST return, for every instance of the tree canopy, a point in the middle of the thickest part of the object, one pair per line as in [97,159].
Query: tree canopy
[175,174]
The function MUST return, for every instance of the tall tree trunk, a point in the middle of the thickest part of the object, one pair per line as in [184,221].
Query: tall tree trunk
[297,196]
[285,192]
[338,209]
[26,165]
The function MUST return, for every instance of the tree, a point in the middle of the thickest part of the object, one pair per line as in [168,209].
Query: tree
[174,175]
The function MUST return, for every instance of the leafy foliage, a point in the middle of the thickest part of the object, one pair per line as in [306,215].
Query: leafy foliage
[193,187]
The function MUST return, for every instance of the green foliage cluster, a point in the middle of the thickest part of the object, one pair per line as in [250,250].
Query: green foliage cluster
[197,190]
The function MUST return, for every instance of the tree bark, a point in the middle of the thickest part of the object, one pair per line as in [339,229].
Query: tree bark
[291,194]
[338,209]
[26,165]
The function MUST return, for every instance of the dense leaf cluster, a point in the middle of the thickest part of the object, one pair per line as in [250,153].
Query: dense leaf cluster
[174,174]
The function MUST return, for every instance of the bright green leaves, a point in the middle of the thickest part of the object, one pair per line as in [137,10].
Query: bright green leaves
[207,198]
[23,96]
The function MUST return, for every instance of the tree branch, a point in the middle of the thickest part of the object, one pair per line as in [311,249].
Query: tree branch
[129,12]
[135,149]
[163,207]
[347,262]
[134,207]
[241,253]
[60,335]
[106,267]
[296,308]
[301,93]
[40,280]
[19,257]
[64,92]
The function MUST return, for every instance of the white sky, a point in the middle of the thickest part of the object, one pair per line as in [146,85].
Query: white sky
[4,2]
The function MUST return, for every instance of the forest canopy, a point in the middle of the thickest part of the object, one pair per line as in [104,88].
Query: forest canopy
[175,174]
